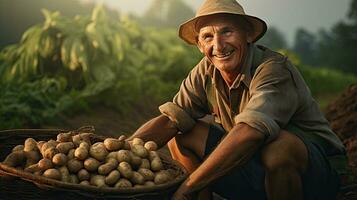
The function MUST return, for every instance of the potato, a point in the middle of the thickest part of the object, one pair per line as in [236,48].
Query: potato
[112,154]
[125,170]
[52,173]
[32,157]
[53,142]
[137,178]
[73,179]
[145,163]
[32,168]
[147,174]
[15,159]
[91,164]
[112,144]
[64,147]
[149,183]
[112,177]
[19,147]
[153,155]
[59,159]
[161,177]
[84,145]
[50,152]
[122,138]
[123,183]
[46,146]
[150,146]
[106,168]
[64,174]
[70,154]
[76,140]
[156,164]
[86,137]
[135,160]
[137,141]
[83,174]
[40,144]
[123,156]
[64,137]
[126,145]
[81,153]
[74,165]
[30,145]
[85,182]
[98,180]
[138,186]
[37,173]
[98,151]
[139,150]
[45,164]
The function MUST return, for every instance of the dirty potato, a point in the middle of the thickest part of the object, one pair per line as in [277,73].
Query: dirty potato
[112,144]
[98,151]
[74,165]
[91,164]
[112,177]
[59,159]
[125,170]
[123,183]
[52,173]
[150,146]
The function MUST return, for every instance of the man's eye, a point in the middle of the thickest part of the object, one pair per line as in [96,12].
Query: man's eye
[227,32]
[206,37]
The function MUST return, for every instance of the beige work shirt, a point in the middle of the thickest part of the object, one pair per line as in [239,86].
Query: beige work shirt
[268,94]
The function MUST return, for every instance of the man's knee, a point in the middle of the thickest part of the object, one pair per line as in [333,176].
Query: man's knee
[287,152]
[194,141]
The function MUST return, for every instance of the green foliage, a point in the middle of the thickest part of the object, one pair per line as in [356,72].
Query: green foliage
[106,60]
[335,48]
[35,102]
[321,81]
[273,39]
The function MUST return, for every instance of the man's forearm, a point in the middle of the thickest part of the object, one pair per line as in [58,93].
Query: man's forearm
[235,149]
[159,129]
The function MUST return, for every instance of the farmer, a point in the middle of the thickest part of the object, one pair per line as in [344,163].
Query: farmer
[268,139]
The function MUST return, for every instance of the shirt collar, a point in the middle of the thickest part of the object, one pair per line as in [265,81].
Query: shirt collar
[245,75]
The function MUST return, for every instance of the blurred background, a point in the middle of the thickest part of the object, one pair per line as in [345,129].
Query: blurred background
[111,63]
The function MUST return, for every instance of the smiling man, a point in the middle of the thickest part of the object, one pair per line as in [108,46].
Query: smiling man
[268,139]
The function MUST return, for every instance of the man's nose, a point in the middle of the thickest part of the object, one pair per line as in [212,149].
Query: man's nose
[218,43]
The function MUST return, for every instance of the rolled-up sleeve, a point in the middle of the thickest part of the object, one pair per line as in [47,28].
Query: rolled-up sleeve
[273,99]
[190,103]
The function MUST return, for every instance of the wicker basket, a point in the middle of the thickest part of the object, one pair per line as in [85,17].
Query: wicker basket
[17,184]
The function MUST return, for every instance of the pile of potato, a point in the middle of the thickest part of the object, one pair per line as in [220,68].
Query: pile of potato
[110,163]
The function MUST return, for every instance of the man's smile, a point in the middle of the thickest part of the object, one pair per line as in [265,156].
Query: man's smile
[223,55]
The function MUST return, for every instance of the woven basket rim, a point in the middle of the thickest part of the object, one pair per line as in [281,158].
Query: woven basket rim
[48,183]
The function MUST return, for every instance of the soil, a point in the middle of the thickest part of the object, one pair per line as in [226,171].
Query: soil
[342,115]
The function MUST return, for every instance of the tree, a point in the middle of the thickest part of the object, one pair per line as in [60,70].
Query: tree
[305,46]
[273,39]
[167,13]
[338,48]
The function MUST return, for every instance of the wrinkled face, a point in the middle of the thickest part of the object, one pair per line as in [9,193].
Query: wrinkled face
[224,41]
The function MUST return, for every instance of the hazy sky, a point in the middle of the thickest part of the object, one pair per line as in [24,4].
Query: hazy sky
[286,15]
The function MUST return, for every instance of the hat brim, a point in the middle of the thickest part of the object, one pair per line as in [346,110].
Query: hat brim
[188,33]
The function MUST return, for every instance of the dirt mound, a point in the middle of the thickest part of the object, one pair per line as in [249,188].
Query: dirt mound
[342,115]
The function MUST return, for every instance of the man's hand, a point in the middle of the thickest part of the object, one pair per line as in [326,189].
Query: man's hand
[184,192]
[159,129]
[240,144]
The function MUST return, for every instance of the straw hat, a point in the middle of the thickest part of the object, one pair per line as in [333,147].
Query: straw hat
[188,32]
